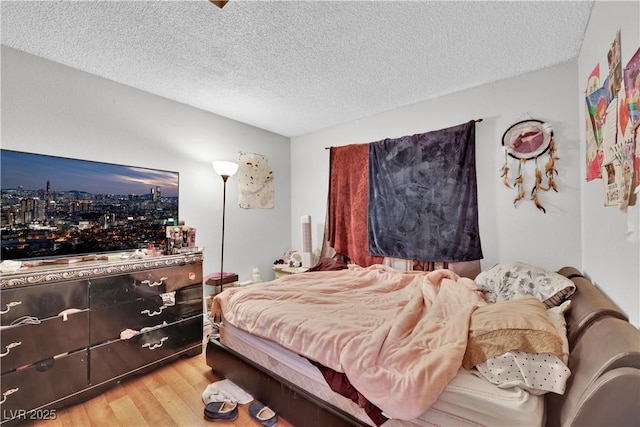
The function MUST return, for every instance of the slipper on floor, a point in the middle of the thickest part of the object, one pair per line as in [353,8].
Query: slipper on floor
[221,411]
[263,414]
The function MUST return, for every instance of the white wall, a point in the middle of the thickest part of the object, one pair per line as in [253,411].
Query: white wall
[551,240]
[49,108]
[609,258]
[577,229]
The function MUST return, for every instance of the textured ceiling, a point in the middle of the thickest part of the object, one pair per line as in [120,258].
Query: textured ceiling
[294,67]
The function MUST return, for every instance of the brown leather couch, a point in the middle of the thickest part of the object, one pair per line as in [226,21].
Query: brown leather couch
[604,387]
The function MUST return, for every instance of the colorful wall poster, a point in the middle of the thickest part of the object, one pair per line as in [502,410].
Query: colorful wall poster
[615,66]
[594,154]
[632,86]
[632,90]
[597,103]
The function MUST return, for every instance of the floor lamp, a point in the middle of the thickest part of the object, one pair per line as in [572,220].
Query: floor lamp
[225,170]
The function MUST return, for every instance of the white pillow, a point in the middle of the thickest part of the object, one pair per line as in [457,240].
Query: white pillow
[510,280]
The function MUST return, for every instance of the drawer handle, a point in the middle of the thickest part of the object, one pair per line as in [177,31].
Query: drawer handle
[7,393]
[154,284]
[151,328]
[9,347]
[157,345]
[155,313]
[9,305]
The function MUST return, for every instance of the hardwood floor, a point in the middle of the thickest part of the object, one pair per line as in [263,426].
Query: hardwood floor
[168,396]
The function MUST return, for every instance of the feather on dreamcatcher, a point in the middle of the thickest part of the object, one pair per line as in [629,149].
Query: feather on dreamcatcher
[529,140]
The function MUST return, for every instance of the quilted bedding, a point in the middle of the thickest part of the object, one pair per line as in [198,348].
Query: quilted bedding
[399,337]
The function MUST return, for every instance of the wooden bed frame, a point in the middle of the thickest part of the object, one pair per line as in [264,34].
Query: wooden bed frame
[604,388]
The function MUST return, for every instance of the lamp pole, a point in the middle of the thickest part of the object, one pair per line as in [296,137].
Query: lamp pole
[225,170]
[224,205]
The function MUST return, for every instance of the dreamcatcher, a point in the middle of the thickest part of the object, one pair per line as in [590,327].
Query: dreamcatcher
[529,140]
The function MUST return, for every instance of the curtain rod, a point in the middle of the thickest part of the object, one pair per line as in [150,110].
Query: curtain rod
[475,120]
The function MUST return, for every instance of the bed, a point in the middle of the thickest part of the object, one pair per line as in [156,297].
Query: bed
[603,387]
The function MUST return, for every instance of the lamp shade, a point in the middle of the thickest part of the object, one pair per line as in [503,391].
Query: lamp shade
[224,168]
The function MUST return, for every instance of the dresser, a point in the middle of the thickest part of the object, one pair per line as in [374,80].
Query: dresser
[71,331]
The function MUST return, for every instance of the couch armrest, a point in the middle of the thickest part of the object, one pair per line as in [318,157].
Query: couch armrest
[612,400]
[588,304]
[607,344]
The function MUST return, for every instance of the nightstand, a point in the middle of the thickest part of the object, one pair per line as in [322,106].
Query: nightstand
[228,279]
[283,270]
[214,280]
[218,286]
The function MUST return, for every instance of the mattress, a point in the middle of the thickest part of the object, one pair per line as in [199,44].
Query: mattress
[468,400]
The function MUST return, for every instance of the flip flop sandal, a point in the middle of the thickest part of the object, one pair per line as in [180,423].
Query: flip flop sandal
[263,414]
[221,411]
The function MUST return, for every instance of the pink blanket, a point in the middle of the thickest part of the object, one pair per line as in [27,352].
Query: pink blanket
[398,336]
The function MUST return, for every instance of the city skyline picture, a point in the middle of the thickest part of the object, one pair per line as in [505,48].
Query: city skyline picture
[58,206]
[32,171]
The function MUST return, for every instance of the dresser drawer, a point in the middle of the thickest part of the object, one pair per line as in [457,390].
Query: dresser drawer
[175,277]
[41,384]
[108,322]
[42,301]
[189,300]
[25,344]
[106,291]
[116,358]
[112,290]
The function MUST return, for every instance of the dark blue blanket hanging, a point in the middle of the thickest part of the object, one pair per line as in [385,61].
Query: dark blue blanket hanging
[423,200]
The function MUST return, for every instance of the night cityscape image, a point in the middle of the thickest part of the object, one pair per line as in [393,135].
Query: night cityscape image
[55,206]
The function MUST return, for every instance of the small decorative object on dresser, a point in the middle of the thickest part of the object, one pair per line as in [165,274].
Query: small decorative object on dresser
[70,331]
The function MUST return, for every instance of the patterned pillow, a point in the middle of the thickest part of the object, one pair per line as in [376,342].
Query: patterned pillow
[510,280]
[538,373]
